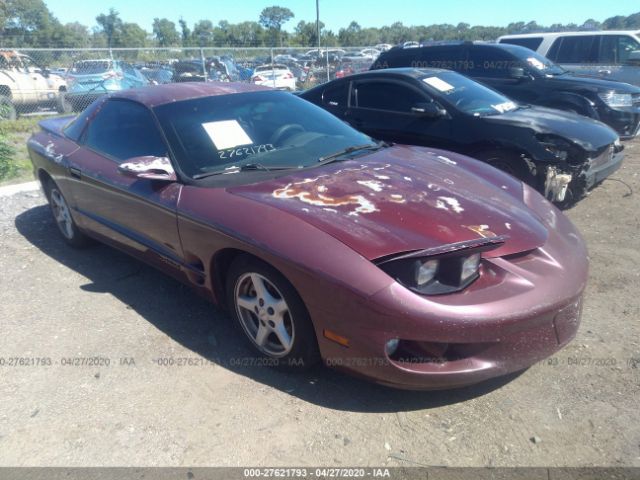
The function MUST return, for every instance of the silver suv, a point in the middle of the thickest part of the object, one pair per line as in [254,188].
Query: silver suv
[610,54]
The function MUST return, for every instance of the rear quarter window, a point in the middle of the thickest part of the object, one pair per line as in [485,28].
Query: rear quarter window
[531,43]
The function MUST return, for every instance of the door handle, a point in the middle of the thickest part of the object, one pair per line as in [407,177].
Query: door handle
[604,72]
[75,172]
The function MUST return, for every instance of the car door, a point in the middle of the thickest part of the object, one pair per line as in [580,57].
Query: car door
[613,58]
[43,91]
[386,109]
[138,215]
[335,98]
[578,54]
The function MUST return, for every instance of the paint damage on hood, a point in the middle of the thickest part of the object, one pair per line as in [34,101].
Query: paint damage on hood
[405,198]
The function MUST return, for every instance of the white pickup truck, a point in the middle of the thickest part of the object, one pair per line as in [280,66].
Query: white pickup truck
[24,86]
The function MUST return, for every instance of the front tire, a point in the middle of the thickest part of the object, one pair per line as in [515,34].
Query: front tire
[271,314]
[510,163]
[62,216]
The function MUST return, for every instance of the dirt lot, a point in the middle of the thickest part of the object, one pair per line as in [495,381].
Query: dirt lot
[578,409]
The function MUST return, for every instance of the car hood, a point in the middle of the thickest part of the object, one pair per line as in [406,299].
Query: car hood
[589,134]
[596,84]
[402,199]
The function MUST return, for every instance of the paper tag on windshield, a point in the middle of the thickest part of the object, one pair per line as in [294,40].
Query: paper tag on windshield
[226,134]
[534,62]
[438,84]
[504,107]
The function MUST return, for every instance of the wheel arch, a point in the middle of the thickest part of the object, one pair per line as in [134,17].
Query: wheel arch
[5,91]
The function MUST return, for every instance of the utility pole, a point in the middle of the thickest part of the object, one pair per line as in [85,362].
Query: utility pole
[318,24]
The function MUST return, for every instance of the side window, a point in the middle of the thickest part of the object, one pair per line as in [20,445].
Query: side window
[123,130]
[438,57]
[389,96]
[128,69]
[337,95]
[531,43]
[576,49]
[552,54]
[490,63]
[615,49]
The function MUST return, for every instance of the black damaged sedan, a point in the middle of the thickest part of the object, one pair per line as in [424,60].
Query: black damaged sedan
[561,154]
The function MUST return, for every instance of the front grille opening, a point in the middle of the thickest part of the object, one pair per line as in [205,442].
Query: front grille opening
[412,352]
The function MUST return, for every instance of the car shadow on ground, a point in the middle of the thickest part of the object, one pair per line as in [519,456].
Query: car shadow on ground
[196,324]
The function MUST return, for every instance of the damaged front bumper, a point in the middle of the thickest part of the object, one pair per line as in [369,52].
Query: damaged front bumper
[561,182]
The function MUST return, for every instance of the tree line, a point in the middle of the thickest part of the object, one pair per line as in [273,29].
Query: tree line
[30,24]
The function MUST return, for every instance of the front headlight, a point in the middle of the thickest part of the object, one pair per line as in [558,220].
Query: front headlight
[435,276]
[614,99]
[556,146]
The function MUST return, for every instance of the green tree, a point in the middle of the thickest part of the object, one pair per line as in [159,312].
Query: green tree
[185,33]
[350,36]
[111,25]
[272,18]
[306,34]
[131,35]
[203,33]
[165,32]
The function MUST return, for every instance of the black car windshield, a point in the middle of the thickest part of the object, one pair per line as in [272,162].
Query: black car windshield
[467,95]
[536,62]
[275,130]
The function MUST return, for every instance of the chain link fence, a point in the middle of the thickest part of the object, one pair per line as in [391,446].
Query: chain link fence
[68,80]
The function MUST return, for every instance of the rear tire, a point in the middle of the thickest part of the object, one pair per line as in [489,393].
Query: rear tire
[61,212]
[7,109]
[269,312]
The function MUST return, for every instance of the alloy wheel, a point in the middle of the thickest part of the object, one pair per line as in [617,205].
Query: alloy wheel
[264,314]
[61,214]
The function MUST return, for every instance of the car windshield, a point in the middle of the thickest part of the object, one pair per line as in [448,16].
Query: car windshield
[536,62]
[271,129]
[467,95]
[90,67]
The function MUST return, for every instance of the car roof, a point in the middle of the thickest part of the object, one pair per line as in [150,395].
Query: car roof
[572,34]
[155,95]
[416,73]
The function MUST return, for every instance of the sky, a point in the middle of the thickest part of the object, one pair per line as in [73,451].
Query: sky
[339,13]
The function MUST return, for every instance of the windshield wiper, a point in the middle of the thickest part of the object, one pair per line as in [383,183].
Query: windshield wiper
[333,157]
[247,167]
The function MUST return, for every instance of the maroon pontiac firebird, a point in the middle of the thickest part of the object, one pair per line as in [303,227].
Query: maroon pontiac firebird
[412,267]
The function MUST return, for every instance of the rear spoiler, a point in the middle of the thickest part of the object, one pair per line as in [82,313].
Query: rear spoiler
[55,125]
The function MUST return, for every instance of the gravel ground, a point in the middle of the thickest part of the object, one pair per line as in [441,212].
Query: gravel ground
[580,408]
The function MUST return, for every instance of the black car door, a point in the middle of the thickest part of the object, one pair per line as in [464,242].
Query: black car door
[335,98]
[389,109]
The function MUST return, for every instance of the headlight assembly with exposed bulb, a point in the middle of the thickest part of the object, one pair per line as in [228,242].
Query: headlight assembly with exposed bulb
[556,146]
[615,99]
[441,270]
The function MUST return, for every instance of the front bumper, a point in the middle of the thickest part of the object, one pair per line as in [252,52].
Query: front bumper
[599,171]
[625,121]
[522,309]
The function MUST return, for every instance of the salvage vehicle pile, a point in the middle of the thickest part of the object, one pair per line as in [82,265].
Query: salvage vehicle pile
[398,224]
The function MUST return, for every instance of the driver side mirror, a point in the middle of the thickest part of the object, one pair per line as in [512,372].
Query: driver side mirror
[517,73]
[45,72]
[149,168]
[430,110]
